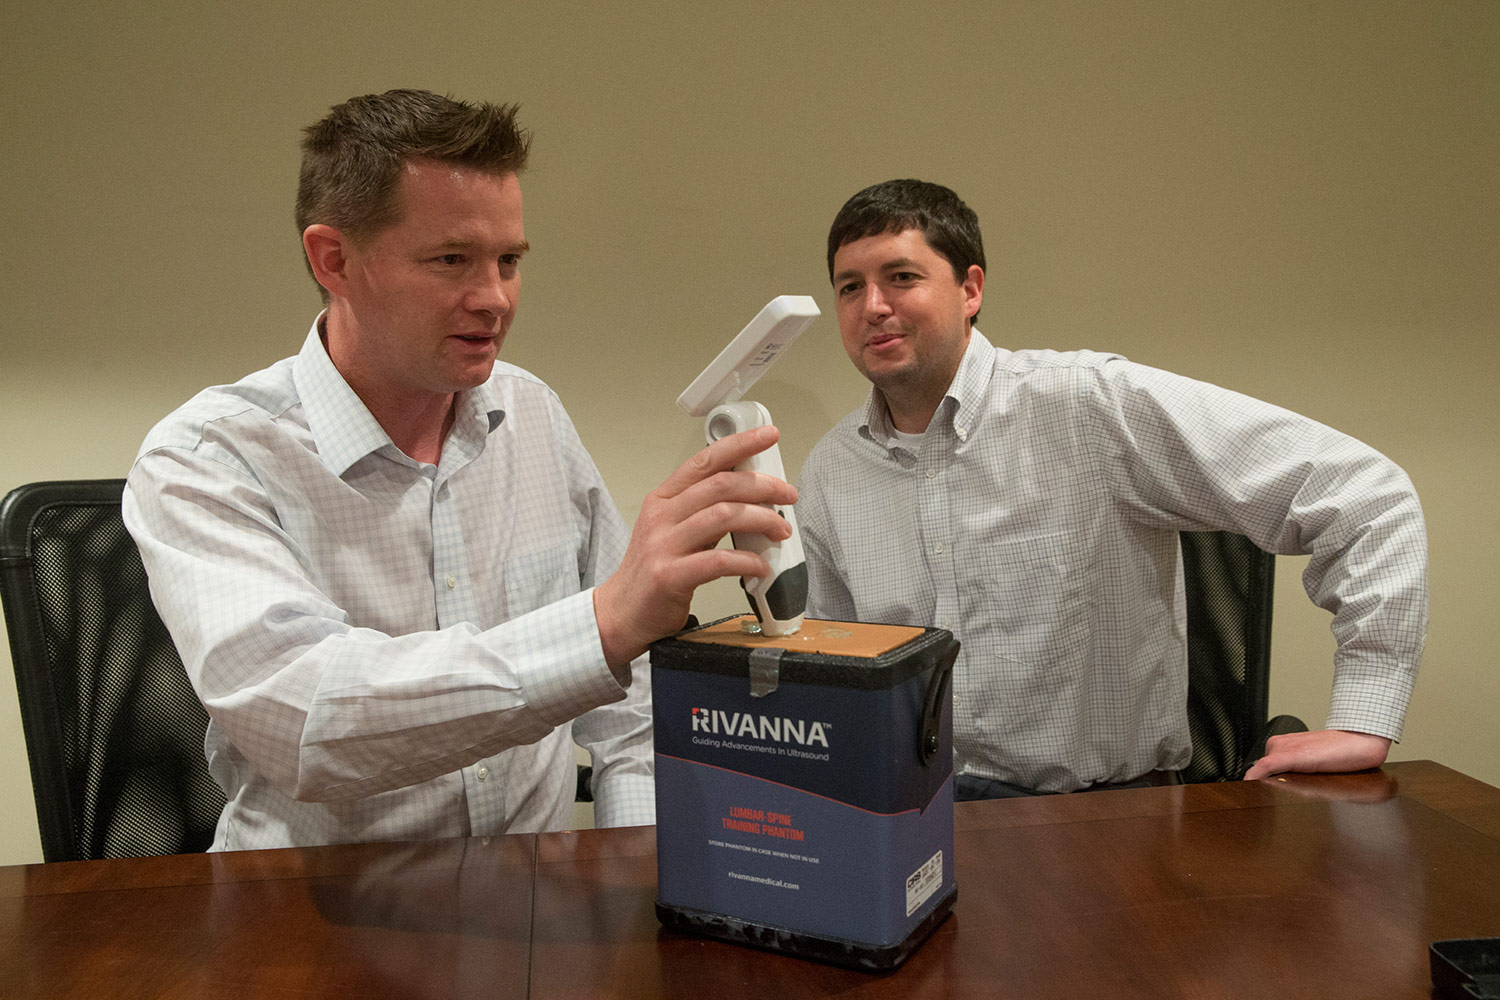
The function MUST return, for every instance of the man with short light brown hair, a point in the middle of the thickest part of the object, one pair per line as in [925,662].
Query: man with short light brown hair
[395,576]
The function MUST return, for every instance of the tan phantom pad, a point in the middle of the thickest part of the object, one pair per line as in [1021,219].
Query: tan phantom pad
[829,638]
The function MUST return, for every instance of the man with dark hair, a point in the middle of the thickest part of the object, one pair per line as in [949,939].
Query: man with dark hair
[1031,500]
[393,572]
[948,225]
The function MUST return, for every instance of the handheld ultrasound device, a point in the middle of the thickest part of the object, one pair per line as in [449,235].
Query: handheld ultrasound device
[780,599]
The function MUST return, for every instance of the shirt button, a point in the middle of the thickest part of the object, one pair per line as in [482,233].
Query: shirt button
[452,582]
[938,548]
[483,773]
[931,473]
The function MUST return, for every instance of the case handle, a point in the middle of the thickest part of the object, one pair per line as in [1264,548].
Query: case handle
[928,735]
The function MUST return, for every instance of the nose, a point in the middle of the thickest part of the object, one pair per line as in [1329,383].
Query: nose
[491,292]
[876,308]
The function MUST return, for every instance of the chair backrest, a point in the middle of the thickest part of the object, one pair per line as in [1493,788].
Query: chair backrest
[1230,587]
[113,729]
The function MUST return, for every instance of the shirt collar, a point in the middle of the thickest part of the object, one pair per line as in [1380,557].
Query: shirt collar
[342,426]
[967,391]
[972,384]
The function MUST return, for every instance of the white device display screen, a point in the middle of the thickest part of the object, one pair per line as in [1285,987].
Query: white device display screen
[749,354]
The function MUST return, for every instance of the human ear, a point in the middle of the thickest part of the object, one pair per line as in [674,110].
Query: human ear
[326,247]
[973,286]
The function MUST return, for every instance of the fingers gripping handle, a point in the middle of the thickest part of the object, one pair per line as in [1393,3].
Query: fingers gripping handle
[779,600]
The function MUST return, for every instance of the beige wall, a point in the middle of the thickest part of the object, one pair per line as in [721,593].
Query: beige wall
[1297,200]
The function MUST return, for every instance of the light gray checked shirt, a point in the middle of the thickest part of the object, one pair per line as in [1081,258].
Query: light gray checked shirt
[389,650]
[1037,517]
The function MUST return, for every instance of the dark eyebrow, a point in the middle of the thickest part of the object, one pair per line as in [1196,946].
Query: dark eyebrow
[459,244]
[900,263]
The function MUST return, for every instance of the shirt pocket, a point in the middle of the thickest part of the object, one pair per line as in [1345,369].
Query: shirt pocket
[539,577]
[1029,601]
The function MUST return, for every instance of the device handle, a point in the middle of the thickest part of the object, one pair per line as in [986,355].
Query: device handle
[779,600]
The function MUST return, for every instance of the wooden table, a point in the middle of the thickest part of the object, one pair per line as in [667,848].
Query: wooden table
[1312,886]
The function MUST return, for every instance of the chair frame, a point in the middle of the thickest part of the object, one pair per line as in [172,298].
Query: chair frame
[58,815]
[1252,585]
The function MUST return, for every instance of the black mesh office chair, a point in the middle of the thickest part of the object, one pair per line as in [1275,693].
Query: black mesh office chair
[113,729]
[1230,585]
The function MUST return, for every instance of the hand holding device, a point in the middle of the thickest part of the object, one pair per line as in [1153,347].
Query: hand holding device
[780,599]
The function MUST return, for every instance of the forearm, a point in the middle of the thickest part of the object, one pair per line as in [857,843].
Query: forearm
[385,712]
[355,712]
[1189,456]
[1371,573]
[325,709]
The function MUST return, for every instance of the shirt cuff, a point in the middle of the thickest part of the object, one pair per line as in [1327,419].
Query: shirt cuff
[627,800]
[563,660]
[1370,698]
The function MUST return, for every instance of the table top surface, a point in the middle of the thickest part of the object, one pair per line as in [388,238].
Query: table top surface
[1302,886]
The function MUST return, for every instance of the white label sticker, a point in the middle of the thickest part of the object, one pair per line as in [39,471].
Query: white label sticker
[922,883]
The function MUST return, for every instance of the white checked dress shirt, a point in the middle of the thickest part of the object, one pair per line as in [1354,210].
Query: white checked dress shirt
[1037,519]
[389,650]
